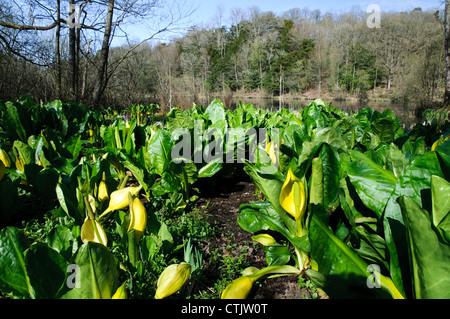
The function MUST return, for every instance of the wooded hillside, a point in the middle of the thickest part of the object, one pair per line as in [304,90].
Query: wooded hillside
[296,53]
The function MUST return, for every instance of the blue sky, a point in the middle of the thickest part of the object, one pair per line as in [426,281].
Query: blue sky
[207,9]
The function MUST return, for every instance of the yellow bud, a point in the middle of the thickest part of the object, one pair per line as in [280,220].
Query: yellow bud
[102,191]
[293,196]
[2,170]
[238,289]
[20,164]
[249,271]
[91,133]
[264,239]
[96,234]
[119,199]
[241,287]
[138,218]
[92,203]
[4,157]
[172,279]
[270,149]
[121,293]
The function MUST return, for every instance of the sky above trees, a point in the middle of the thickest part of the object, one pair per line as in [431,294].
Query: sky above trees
[206,12]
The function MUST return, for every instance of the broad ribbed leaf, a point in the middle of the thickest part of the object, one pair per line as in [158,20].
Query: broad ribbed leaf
[98,273]
[415,182]
[216,111]
[346,273]
[13,273]
[46,269]
[159,149]
[429,257]
[179,119]
[270,185]
[384,128]
[372,182]
[440,192]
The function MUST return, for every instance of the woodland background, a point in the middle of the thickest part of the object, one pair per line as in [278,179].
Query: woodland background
[297,53]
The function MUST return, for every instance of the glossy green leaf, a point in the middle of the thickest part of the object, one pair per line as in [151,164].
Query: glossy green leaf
[384,128]
[346,273]
[211,168]
[396,162]
[429,256]
[62,240]
[215,111]
[270,185]
[13,272]
[179,119]
[373,183]
[316,183]
[13,121]
[440,192]
[159,150]
[46,269]
[277,255]
[249,217]
[415,182]
[330,173]
[98,273]
[24,152]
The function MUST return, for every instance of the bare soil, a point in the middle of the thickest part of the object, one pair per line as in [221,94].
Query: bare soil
[220,201]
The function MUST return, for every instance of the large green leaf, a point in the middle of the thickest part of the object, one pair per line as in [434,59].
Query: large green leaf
[14,123]
[159,150]
[415,182]
[440,192]
[249,217]
[429,257]
[373,183]
[63,241]
[13,272]
[331,136]
[270,185]
[330,174]
[97,273]
[179,119]
[346,273]
[396,162]
[45,184]
[46,269]
[211,168]
[384,128]
[24,152]
[216,111]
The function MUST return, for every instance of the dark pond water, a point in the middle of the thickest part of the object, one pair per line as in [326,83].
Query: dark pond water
[405,113]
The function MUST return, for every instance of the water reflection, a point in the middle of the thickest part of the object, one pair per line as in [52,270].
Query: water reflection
[405,113]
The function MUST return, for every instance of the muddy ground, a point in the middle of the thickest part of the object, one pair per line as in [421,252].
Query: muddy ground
[220,201]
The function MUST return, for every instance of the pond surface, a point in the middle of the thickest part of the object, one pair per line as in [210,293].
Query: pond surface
[405,113]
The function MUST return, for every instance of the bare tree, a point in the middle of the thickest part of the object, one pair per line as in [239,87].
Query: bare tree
[447,52]
[104,54]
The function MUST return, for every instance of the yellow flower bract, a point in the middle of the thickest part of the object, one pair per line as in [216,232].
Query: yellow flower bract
[293,196]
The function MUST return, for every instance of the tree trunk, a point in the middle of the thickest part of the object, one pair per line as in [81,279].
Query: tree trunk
[84,76]
[72,56]
[98,88]
[58,50]
[447,53]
